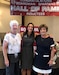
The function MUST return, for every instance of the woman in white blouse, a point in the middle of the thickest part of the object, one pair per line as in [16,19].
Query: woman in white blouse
[11,49]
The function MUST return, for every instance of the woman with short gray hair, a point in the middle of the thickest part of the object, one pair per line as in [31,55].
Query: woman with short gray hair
[11,49]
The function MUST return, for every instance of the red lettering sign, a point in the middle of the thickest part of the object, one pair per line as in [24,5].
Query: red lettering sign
[34,7]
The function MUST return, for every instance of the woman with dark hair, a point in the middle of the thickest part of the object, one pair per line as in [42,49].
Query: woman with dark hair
[27,49]
[44,53]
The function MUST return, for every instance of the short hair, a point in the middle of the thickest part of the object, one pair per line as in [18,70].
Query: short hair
[13,22]
[43,26]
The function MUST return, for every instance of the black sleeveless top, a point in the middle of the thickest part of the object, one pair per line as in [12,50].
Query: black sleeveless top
[27,51]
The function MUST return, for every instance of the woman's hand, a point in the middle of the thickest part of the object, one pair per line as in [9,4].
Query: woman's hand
[50,62]
[7,62]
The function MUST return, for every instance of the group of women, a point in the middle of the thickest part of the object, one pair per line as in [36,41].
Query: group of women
[39,60]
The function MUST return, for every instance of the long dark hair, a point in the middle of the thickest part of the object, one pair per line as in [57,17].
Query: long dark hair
[26,32]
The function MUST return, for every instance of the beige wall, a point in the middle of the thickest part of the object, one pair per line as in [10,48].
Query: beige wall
[56,27]
[51,21]
[5,18]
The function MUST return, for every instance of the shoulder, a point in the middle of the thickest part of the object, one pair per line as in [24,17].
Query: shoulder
[18,35]
[7,35]
[52,43]
[50,38]
[24,34]
[38,36]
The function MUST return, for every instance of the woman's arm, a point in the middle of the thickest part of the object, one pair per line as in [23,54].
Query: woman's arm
[5,45]
[52,56]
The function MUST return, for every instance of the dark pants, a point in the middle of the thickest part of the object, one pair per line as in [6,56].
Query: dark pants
[2,71]
[13,69]
[55,71]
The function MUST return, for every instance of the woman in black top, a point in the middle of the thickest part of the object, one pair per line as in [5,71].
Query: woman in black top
[44,53]
[27,49]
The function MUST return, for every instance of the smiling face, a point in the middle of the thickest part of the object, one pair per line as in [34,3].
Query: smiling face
[30,28]
[43,31]
[14,28]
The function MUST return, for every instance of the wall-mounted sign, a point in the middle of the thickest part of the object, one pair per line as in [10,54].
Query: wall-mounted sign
[23,29]
[34,7]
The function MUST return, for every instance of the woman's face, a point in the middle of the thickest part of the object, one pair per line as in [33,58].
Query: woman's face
[30,28]
[43,31]
[14,28]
